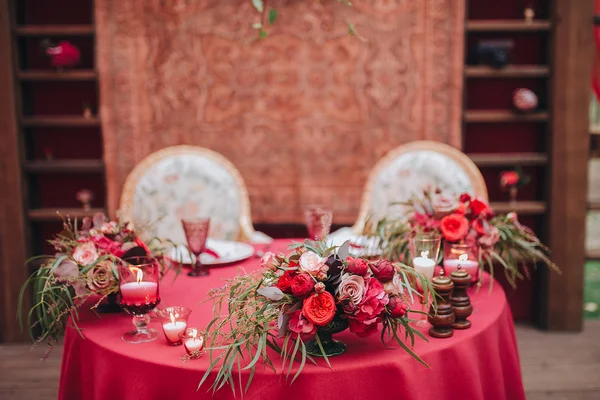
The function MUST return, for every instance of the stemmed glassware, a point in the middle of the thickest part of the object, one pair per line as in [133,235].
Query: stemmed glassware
[424,252]
[138,282]
[196,233]
[318,221]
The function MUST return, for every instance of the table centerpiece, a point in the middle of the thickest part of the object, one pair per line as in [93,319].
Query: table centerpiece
[298,301]
[464,220]
[84,270]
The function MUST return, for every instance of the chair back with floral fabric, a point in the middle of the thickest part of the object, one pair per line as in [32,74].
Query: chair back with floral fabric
[407,169]
[186,182]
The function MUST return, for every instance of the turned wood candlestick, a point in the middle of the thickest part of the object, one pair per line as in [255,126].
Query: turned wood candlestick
[461,303]
[442,318]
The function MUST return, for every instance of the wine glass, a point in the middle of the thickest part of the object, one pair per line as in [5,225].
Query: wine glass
[318,221]
[138,283]
[424,252]
[196,233]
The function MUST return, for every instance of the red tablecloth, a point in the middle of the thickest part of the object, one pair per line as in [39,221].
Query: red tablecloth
[478,363]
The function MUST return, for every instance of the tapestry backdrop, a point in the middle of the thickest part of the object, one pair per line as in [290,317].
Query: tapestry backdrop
[303,114]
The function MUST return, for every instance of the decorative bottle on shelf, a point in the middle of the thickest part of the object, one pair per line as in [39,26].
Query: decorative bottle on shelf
[442,318]
[461,303]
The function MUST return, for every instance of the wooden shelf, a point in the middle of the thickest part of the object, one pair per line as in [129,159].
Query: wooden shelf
[53,214]
[593,254]
[510,71]
[503,116]
[507,25]
[54,30]
[69,166]
[507,159]
[60,121]
[594,206]
[520,207]
[51,75]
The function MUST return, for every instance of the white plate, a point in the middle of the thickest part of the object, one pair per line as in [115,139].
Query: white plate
[360,246]
[229,252]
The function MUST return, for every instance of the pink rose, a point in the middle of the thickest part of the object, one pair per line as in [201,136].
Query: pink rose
[351,288]
[319,287]
[443,205]
[383,270]
[512,216]
[311,263]
[373,302]
[66,270]
[269,261]
[109,228]
[85,254]
[488,240]
[299,324]
[362,329]
[358,266]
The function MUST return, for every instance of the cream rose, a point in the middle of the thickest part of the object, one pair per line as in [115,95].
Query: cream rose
[100,277]
[352,288]
[443,205]
[85,254]
[395,286]
[269,261]
[311,263]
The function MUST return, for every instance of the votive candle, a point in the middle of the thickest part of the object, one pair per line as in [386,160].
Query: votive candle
[138,293]
[193,342]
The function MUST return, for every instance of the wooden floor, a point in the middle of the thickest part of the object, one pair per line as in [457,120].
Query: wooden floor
[556,366]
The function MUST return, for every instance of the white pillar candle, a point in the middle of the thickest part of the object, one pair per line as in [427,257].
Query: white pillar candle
[138,293]
[173,329]
[470,266]
[424,266]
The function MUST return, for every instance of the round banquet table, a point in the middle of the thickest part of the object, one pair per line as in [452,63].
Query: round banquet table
[479,363]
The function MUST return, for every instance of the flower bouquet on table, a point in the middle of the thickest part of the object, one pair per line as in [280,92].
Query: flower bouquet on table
[297,302]
[500,239]
[83,268]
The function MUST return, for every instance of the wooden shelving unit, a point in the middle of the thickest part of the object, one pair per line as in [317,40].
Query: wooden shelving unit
[64,166]
[59,121]
[54,214]
[507,25]
[54,30]
[510,71]
[593,255]
[509,159]
[503,116]
[520,207]
[59,76]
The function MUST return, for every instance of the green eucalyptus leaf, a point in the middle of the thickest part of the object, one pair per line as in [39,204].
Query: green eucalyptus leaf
[272,16]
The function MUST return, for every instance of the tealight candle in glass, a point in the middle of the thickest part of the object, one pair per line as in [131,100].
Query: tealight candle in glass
[463,255]
[424,251]
[174,322]
[193,342]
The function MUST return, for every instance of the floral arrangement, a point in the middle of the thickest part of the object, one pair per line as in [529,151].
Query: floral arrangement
[83,267]
[502,239]
[512,180]
[62,55]
[296,302]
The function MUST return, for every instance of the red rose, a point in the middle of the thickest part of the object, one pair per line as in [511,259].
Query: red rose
[358,266]
[383,270]
[480,208]
[481,226]
[319,309]
[454,227]
[302,284]
[64,55]
[361,329]
[285,281]
[465,198]
[397,307]
[509,178]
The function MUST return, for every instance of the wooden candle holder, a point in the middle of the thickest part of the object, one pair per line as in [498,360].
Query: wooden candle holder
[442,318]
[461,303]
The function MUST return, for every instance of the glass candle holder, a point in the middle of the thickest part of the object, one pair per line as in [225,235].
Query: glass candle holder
[193,342]
[138,284]
[174,321]
[424,252]
[196,233]
[463,255]
[318,221]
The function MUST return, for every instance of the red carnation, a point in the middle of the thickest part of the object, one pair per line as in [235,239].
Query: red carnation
[302,284]
[358,266]
[454,227]
[285,281]
[480,208]
[383,270]
[465,198]
[509,178]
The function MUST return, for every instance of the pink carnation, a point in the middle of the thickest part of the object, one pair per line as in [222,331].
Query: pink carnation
[373,302]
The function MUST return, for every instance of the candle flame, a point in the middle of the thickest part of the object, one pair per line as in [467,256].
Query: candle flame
[463,257]
[425,253]
[139,273]
[172,318]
